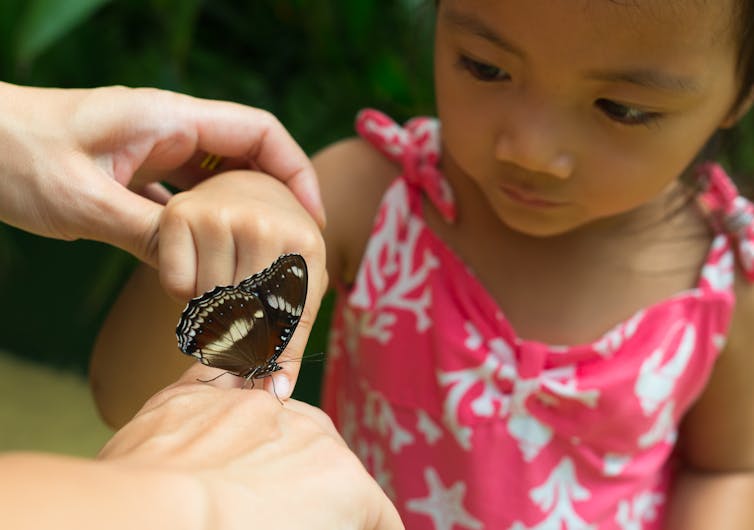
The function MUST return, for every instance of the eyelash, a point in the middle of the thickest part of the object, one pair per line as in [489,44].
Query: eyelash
[625,114]
[618,112]
[482,71]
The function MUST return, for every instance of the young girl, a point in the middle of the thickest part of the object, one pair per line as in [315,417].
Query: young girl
[544,305]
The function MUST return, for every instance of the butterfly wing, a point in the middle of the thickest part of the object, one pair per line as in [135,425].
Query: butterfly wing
[282,290]
[225,328]
[243,329]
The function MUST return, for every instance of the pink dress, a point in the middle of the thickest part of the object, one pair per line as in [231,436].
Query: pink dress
[467,426]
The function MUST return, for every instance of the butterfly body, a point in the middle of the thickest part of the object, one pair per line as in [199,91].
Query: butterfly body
[243,329]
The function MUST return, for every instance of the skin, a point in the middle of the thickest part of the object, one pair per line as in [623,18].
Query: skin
[565,164]
[203,457]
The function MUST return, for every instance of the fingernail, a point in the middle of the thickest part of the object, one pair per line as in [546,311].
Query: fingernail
[316,205]
[281,386]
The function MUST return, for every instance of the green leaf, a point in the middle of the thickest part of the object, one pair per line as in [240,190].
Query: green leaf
[46,21]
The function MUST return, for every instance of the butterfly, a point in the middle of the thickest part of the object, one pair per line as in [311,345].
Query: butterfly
[243,329]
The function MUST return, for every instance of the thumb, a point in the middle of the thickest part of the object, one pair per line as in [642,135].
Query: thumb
[124,219]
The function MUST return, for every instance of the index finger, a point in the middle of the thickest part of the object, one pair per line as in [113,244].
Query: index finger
[234,130]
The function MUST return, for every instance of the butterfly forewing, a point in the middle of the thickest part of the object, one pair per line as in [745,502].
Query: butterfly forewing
[243,329]
[282,290]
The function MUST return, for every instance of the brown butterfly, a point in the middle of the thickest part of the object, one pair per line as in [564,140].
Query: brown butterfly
[243,329]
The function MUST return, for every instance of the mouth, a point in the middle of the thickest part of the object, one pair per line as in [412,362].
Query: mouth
[529,199]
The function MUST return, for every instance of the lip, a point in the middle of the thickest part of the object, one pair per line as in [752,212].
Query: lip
[529,199]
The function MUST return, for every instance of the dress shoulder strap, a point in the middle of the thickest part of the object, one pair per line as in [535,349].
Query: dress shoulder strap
[416,147]
[731,212]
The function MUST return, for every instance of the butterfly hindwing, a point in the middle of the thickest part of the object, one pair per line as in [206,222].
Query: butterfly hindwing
[243,329]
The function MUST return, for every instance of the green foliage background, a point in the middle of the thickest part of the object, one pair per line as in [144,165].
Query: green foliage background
[312,63]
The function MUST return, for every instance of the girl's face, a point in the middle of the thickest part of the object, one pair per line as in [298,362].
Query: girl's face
[568,111]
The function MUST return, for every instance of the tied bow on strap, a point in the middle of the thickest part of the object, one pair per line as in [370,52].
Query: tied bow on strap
[734,212]
[417,148]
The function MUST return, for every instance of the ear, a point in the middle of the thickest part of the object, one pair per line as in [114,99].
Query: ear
[739,111]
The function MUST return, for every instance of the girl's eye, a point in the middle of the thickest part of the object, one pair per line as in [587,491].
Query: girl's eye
[482,71]
[625,114]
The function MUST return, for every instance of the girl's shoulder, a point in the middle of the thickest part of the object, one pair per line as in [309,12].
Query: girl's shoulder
[353,177]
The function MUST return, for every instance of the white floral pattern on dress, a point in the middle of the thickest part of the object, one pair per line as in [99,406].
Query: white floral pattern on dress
[443,505]
[643,508]
[557,498]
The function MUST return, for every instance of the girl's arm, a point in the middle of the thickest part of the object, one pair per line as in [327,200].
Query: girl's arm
[704,500]
[716,488]
[136,351]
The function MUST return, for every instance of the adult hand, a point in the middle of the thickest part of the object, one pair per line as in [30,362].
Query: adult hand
[262,464]
[88,163]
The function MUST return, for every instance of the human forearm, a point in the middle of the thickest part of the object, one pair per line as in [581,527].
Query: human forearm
[45,491]
[702,501]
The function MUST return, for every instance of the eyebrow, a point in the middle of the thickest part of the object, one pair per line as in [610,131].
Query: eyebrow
[647,78]
[472,24]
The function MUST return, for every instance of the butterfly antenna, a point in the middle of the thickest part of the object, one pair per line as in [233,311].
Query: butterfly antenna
[214,378]
[274,391]
[309,357]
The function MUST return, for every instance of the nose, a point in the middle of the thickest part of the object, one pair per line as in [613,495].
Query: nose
[533,142]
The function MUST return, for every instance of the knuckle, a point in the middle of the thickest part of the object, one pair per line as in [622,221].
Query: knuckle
[311,241]
[151,92]
[254,404]
[183,210]
[318,417]
[179,396]
[161,99]
[268,119]
[259,227]
[179,205]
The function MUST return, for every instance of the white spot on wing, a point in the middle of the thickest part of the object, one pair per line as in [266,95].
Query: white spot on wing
[272,300]
[237,331]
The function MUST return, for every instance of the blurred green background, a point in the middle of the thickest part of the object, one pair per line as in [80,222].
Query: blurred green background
[312,63]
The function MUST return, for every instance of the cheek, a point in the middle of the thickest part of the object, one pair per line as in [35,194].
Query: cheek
[468,141]
[620,166]
[618,181]
[468,128]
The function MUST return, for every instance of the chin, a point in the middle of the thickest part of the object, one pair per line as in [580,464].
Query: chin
[538,228]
